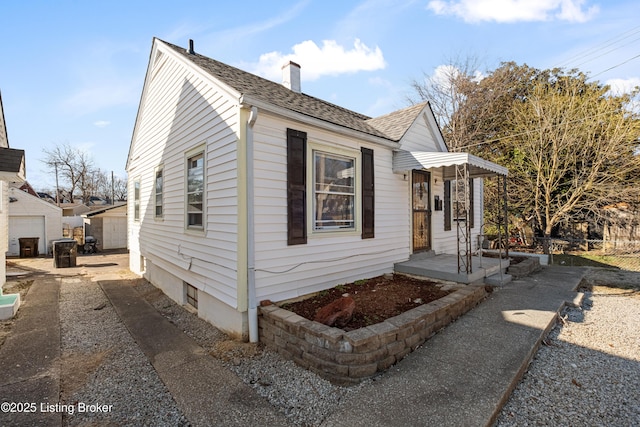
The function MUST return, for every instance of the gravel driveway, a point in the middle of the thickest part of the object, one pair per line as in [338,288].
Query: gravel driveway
[587,374]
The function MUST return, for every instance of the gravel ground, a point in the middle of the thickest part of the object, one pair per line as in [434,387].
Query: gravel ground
[588,371]
[304,397]
[102,364]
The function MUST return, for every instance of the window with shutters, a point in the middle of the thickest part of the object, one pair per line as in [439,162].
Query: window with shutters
[329,189]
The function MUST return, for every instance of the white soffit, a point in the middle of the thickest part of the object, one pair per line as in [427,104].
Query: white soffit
[408,160]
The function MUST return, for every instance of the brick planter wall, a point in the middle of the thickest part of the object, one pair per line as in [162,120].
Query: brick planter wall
[349,357]
[524,268]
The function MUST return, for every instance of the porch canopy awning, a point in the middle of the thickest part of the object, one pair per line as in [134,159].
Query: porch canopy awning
[478,168]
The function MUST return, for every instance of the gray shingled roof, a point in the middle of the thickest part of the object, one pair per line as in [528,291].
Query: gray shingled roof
[395,124]
[391,126]
[11,160]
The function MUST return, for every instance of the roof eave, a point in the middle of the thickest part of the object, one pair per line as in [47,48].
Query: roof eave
[247,101]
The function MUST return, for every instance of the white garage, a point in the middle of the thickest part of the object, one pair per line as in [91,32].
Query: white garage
[30,216]
[108,225]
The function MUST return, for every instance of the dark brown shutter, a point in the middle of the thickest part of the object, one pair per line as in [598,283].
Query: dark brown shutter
[368,194]
[296,187]
[471,215]
[447,205]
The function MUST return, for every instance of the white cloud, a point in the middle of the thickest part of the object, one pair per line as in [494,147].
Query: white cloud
[101,123]
[515,10]
[622,86]
[317,61]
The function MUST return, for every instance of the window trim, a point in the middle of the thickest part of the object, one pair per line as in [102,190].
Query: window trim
[159,217]
[137,188]
[451,214]
[354,154]
[200,150]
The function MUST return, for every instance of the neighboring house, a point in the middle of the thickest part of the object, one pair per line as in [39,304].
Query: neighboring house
[74,209]
[98,201]
[27,188]
[47,197]
[108,225]
[242,189]
[12,169]
[31,216]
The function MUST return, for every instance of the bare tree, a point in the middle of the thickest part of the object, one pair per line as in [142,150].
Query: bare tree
[448,90]
[73,169]
[120,189]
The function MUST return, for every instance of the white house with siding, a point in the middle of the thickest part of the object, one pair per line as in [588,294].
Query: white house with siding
[12,169]
[243,189]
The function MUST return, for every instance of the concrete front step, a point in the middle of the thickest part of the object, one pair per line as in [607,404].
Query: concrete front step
[422,255]
[445,267]
[498,279]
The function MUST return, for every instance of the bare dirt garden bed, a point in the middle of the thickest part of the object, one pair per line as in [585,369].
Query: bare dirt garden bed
[376,299]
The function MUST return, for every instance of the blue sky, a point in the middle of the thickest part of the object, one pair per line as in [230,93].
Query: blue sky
[72,71]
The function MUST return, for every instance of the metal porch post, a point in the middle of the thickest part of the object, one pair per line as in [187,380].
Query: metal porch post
[463,223]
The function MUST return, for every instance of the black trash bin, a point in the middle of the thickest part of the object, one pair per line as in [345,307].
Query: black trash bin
[28,246]
[64,253]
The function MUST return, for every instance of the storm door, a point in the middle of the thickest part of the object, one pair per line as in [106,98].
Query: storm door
[421,199]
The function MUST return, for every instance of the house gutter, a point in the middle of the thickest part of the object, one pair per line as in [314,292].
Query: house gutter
[251,258]
[247,100]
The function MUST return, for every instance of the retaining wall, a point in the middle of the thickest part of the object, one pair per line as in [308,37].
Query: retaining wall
[349,357]
[524,268]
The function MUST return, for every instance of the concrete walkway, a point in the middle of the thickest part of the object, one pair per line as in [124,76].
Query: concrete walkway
[460,377]
[29,369]
[207,393]
[463,375]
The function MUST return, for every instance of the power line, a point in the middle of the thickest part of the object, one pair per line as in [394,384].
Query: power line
[592,50]
[533,130]
[616,66]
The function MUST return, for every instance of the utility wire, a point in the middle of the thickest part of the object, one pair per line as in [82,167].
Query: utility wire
[616,66]
[612,41]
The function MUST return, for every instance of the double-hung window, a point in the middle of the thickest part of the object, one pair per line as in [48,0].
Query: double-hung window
[334,192]
[195,191]
[136,200]
[159,186]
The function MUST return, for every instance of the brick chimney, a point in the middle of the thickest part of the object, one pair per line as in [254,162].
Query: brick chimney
[291,76]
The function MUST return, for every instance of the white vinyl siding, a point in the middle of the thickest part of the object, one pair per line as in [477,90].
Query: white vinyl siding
[30,216]
[182,112]
[327,259]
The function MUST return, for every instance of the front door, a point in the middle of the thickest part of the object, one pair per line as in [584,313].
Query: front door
[421,199]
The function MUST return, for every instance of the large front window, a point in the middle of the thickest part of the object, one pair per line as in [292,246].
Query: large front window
[333,191]
[195,190]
